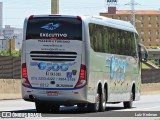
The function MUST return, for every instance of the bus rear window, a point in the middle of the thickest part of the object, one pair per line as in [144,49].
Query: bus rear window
[54,28]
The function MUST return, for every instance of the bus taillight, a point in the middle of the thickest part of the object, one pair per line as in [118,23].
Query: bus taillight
[82,77]
[25,81]
[30,17]
[24,70]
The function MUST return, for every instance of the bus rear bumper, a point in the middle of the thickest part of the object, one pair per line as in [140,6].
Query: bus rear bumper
[55,96]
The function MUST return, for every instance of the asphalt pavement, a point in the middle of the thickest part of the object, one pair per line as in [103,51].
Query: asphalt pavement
[147,108]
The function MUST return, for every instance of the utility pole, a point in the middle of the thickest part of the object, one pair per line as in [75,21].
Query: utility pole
[10,47]
[132,4]
[10,44]
[54,6]
[133,19]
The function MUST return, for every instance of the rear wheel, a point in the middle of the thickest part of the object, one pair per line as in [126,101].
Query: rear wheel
[42,108]
[129,104]
[102,106]
[94,107]
[81,105]
[55,108]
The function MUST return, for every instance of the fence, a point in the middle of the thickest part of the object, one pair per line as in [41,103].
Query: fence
[10,67]
[150,75]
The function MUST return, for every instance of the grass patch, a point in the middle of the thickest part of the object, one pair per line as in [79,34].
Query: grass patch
[144,66]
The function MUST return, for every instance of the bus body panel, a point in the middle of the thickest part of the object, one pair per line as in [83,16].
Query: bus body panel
[58,96]
[118,72]
[61,73]
[119,78]
[54,80]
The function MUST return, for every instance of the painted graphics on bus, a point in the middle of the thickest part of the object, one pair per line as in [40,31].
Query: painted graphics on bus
[55,60]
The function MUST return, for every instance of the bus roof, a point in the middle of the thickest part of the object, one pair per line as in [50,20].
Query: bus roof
[119,24]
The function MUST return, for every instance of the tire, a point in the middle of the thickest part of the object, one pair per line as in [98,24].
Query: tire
[55,108]
[42,108]
[102,106]
[129,104]
[94,107]
[81,105]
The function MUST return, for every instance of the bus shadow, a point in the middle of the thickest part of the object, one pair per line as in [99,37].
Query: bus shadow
[68,110]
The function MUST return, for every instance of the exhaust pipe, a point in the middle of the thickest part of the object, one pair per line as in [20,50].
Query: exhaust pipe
[32,97]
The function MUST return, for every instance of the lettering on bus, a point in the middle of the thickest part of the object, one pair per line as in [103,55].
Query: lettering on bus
[53,78]
[53,73]
[117,67]
[44,85]
[55,41]
[52,49]
[51,45]
[52,27]
[52,66]
[42,78]
[63,85]
[53,35]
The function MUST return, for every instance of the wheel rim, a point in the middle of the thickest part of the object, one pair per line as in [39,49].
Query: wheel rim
[97,102]
[104,100]
[55,108]
[131,99]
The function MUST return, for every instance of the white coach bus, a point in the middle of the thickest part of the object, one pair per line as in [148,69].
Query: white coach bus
[79,60]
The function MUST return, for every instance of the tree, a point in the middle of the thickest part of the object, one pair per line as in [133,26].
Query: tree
[15,53]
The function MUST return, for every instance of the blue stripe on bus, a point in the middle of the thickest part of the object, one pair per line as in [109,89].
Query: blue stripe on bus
[39,88]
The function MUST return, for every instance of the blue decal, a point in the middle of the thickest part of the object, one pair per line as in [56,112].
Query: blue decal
[71,64]
[117,68]
[51,26]
[33,63]
[42,65]
[49,66]
[64,67]
[52,66]
[69,74]
[55,67]
[112,67]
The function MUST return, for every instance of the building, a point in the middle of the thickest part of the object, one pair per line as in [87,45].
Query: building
[147,24]
[1,15]
[14,35]
[8,31]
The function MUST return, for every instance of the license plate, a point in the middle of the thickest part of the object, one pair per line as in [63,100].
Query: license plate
[52,93]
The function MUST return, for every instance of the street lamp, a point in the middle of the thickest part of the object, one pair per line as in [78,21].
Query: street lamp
[2,38]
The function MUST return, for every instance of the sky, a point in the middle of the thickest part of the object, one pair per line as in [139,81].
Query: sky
[15,11]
